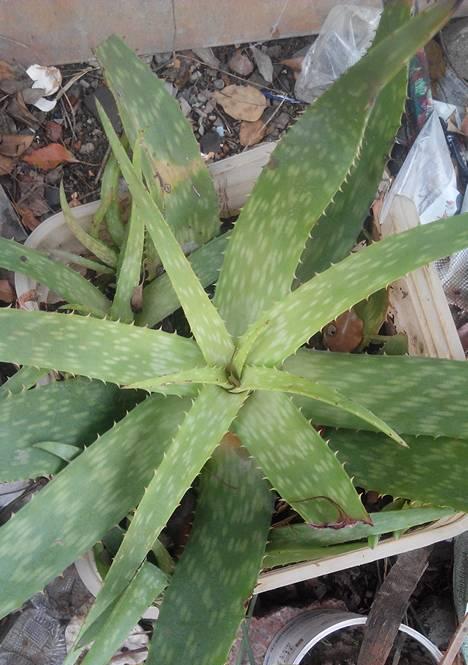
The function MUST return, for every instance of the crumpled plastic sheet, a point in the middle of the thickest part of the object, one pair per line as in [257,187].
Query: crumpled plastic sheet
[344,37]
[428,178]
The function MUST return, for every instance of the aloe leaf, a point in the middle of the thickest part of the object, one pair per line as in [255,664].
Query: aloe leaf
[298,542]
[203,375]
[63,451]
[24,378]
[226,544]
[160,299]
[78,260]
[372,313]
[401,390]
[201,431]
[432,470]
[64,281]
[297,461]
[96,348]
[174,160]
[109,194]
[264,378]
[307,309]
[130,258]
[70,412]
[335,233]
[206,324]
[147,584]
[95,246]
[110,479]
[303,175]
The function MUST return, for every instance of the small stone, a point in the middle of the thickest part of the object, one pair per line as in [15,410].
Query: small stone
[195,76]
[185,106]
[240,64]
[218,84]
[210,142]
[84,84]
[162,58]
[201,97]
[87,148]
[282,120]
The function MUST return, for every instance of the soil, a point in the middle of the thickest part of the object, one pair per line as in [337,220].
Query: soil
[343,647]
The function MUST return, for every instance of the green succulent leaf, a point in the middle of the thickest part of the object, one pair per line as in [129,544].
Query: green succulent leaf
[267,379]
[432,470]
[69,412]
[64,281]
[63,451]
[109,196]
[130,258]
[173,159]
[76,259]
[207,326]
[24,378]
[203,375]
[147,584]
[402,390]
[304,174]
[96,348]
[298,542]
[110,479]
[160,299]
[95,246]
[314,304]
[201,431]
[335,233]
[206,599]
[297,461]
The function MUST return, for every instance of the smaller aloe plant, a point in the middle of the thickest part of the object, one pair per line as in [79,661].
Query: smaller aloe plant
[238,404]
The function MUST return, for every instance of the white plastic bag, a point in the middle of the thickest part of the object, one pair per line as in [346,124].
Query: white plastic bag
[344,37]
[427,176]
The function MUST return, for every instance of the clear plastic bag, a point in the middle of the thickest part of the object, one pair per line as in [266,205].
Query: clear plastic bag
[344,37]
[427,176]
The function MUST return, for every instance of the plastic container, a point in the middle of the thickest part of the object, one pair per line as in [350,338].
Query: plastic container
[298,637]
[51,234]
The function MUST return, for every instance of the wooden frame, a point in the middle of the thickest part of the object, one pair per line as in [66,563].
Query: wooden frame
[52,32]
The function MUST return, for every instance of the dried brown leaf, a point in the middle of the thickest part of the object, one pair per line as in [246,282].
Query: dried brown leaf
[293,63]
[464,126]
[6,71]
[18,110]
[6,165]
[435,60]
[240,64]
[49,157]
[28,219]
[345,333]
[251,133]
[242,102]
[13,145]
[263,62]
[53,131]
[7,292]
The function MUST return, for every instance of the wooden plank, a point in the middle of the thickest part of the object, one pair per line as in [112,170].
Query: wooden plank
[61,31]
[235,176]
[299,572]
[417,302]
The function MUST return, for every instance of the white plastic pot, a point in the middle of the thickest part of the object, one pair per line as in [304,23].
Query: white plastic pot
[298,637]
[51,234]
[91,578]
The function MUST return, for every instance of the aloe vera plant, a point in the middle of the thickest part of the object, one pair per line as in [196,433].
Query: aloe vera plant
[232,410]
